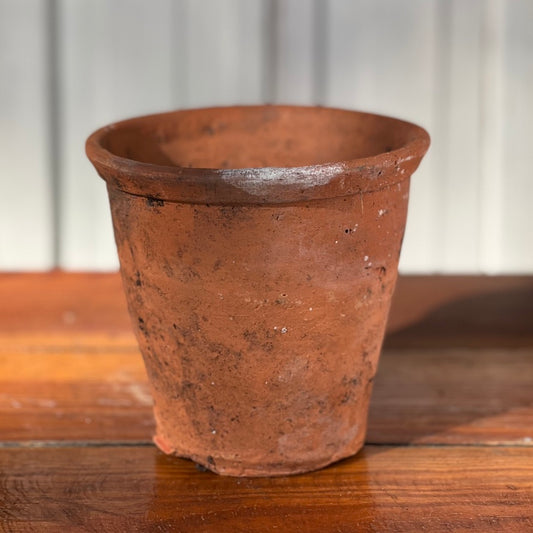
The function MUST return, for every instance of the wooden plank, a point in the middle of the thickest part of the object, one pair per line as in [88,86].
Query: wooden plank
[516,186]
[461,311]
[89,309]
[67,353]
[75,425]
[381,489]
[492,136]
[461,116]
[295,52]
[453,397]
[420,396]
[384,57]
[115,62]
[26,203]
[60,309]
[74,396]
[224,56]
[396,36]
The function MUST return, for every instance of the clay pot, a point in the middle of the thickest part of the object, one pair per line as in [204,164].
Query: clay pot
[259,249]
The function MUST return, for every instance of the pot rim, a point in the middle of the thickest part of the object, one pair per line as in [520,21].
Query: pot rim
[262,185]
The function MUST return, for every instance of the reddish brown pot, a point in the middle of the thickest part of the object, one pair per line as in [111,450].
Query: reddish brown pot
[259,249]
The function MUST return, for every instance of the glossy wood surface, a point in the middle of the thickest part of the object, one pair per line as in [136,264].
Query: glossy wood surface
[382,489]
[449,446]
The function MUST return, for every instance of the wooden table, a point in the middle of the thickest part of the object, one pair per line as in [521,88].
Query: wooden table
[449,448]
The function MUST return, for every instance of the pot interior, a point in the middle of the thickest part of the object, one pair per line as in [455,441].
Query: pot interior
[254,137]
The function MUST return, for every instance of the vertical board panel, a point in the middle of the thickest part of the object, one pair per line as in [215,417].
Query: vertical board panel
[381,58]
[464,70]
[295,58]
[225,52]
[115,61]
[460,113]
[26,203]
[491,136]
[517,179]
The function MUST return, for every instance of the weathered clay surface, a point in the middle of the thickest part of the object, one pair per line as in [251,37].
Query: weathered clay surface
[259,250]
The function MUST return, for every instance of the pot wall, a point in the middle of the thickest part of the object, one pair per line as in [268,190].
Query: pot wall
[259,249]
[261,326]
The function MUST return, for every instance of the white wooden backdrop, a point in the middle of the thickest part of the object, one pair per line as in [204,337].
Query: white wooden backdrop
[461,68]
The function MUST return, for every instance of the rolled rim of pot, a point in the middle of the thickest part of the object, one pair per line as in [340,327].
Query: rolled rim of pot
[256,154]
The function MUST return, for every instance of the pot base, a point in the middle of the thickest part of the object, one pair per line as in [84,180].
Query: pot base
[235,468]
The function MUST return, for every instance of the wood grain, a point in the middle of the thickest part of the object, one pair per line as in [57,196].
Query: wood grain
[89,309]
[59,309]
[453,396]
[382,489]
[74,396]
[450,437]
[445,396]
[461,311]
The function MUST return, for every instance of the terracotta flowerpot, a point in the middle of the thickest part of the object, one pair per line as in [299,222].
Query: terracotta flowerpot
[259,249]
